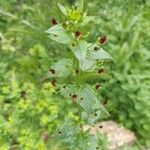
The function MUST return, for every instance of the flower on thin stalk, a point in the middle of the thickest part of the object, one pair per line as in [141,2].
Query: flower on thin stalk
[74,97]
[101,71]
[54,22]
[78,34]
[53,82]
[52,71]
[103,40]
[97,86]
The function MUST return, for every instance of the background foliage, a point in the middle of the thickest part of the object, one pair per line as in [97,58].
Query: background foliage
[26,55]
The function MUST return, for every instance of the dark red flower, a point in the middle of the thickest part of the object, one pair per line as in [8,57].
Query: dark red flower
[100,126]
[53,82]
[54,22]
[74,96]
[52,71]
[103,40]
[78,34]
[101,71]
[97,86]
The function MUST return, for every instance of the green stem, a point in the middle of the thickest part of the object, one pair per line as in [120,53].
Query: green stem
[79,75]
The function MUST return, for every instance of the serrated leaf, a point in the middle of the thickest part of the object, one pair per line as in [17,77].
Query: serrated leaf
[87,65]
[88,99]
[63,38]
[80,5]
[99,55]
[57,29]
[69,132]
[58,34]
[86,142]
[87,19]
[92,143]
[63,68]
[70,89]
[63,9]
[80,50]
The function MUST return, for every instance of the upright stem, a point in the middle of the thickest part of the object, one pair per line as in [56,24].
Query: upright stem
[79,88]
[79,75]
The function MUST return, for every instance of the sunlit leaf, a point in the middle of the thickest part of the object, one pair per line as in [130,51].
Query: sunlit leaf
[80,50]
[63,9]
[58,34]
[99,55]
[63,68]
[88,65]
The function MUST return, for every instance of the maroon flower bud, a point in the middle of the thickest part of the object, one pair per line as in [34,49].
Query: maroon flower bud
[103,40]
[97,86]
[52,71]
[54,22]
[53,82]
[64,86]
[101,126]
[96,48]
[78,34]
[74,96]
[101,71]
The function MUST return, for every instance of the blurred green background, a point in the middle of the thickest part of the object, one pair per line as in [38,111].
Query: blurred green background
[26,55]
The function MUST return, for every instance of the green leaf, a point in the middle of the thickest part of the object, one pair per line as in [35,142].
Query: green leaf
[87,19]
[88,99]
[99,55]
[88,65]
[80,5]
[80,50]
[70,89]
[63,9]
[58,34]
[57,29]
[63,68]
[69,132]
[86,142]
